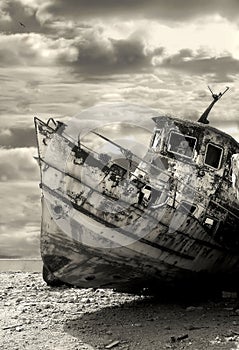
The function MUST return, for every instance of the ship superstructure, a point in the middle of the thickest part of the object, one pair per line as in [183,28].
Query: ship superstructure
[168,218]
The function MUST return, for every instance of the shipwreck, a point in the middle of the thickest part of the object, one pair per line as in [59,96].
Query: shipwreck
[169,218]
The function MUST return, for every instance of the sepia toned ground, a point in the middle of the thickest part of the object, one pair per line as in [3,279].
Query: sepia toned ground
[35,316]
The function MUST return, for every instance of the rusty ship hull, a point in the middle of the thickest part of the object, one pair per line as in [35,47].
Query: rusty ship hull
[170,220]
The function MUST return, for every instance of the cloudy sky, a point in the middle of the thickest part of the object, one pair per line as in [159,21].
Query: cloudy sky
[60,57]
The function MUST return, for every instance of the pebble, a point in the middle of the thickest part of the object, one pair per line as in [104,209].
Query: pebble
[194,308]
[137,325]
[18,300]
[85,300]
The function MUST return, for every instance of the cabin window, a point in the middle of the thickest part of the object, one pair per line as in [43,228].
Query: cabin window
[213,156]
[183,145]
[156,139]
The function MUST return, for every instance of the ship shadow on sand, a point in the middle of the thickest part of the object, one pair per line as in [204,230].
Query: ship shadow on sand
[150,323]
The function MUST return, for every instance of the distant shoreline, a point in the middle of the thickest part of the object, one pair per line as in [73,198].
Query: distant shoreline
[21,265]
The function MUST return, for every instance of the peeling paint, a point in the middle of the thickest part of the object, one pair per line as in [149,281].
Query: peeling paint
[176,210]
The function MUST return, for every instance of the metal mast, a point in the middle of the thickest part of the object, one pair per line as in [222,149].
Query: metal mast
[216,97]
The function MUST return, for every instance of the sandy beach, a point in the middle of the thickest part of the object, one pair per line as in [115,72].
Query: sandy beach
[35,316]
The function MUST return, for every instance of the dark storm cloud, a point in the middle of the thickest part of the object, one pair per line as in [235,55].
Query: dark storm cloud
[222,68]
[98,55]
[17,137]
[174,10]
[92,52]
[19,18]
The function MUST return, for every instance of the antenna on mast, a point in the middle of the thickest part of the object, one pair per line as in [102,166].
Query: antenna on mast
[216,97]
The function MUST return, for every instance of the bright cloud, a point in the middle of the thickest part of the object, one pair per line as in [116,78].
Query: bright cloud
[18,164]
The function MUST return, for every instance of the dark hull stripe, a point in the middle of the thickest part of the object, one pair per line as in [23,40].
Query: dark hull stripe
[107,224]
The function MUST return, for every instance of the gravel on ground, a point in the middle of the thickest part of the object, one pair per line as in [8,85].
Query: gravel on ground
[35,316]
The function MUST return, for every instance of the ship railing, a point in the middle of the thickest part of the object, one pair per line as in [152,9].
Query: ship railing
[73,143]
[176,181]
[164,185]
[111,162]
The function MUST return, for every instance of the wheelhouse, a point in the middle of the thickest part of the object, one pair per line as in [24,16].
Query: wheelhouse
[191,142]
